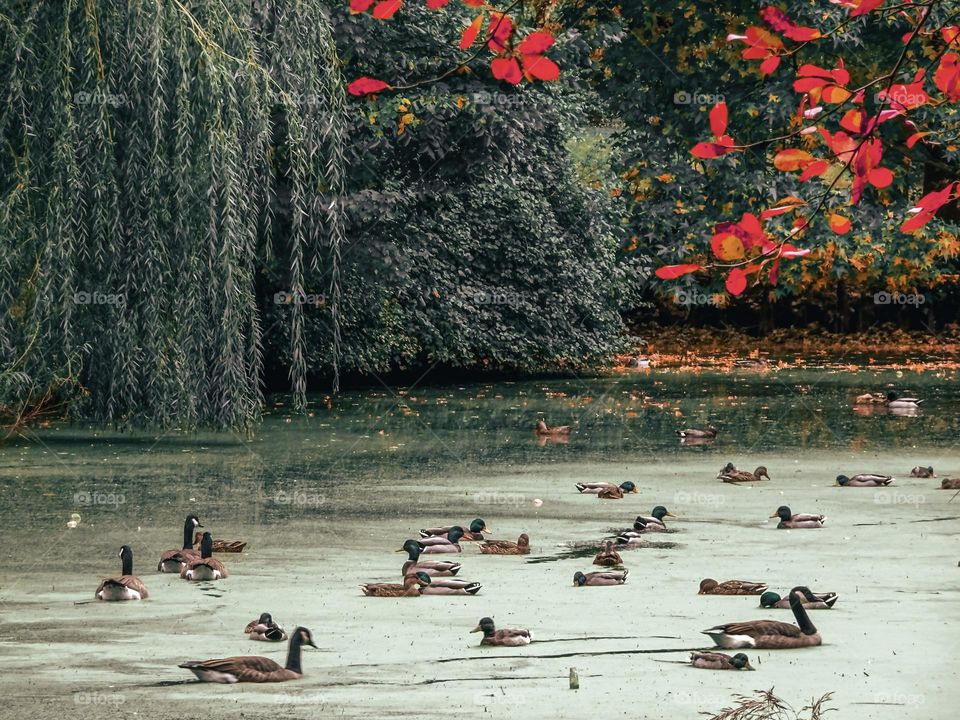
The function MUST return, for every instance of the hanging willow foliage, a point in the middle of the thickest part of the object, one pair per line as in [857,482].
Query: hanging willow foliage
[155,156]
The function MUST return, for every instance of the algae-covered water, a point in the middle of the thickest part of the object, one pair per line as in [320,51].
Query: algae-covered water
[325,500]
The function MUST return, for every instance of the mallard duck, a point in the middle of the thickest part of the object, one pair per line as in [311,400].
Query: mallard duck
[898,402]
[443,544]
[265,629]
[654,523]
[412,586]
[922,472]
[505,547]
[434,568]
[617,493]
[595,488]
[450,586]
[253,668]
[950,484]
[873,398]
[126,587]
[477,528]
[174,560]
[710,586]
[735,476]
[821,601]
[607,557]
[605,577]
[508,637]
[864,480]
[542,429]
[770,634]
[206,567]
[788,521]
[709,432]
[719,661]
[222,546]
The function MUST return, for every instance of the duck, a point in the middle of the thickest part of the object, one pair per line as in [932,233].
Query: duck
[412,587]
[789,521]
[770,634]
[450,586]
[922,472]
[253,668]
[433,568]
[173,561]
[871,398]
[506,547]
[709,586]
[126,587]
[206,567]
[607,556]
[505,637]
[221,546]
[734,476]
[864,480]
[595,488]
[822,601]
[653,522]
[264,628]
[893,401]
[542,429]
[437,544]
[950,484]
[477,528]
[720,661]
[605,577]
[708,432]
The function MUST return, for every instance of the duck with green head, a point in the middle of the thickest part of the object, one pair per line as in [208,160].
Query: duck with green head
[789,521]
[894,401]
[608,577]
[449,543]
[617,493]
[433,568]
[595,488]
[821,601]
[864,480]
[477,528]
[644,525]
[505,637]
[708,432]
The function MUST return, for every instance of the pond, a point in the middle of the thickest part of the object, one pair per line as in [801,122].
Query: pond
[324,501]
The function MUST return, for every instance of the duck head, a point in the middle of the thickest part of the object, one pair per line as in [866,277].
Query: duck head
[478,526]
[265,619]
[660,512]
[579,579]
[523,540]
[769,599]
[783,512]
[485,626]
[741,662]
[729,467]
[455,534]
[413,549]
[628,487]
[761,472]
[706,585]
[842,480]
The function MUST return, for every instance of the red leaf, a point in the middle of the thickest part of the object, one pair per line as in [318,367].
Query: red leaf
[469,36]
[366,85]
[880,177]
[360,6]
[386,9]
[506,69]
[501,27]
[727,246]
[947,76]
[707,150]
[862,7]
[916,222]
[770,64]
[536,43]
[814,169]
[436,4]
[792,159]
[718,119]
[779,21]
[672,272]
[540,68]
[736,281]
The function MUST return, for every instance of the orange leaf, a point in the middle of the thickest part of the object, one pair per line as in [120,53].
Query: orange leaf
[814,169]
[470,32]
[727,246]
[839,224]
[672,272]
[792,159]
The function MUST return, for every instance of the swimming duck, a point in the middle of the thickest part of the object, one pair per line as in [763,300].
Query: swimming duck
[507,637]
[505,547]
[770,634]
[709,432]
[175,560]
[922,472]
[607,557]
[606,577]
[873,398]
[126,587]
[221,546]
[412,587]
[443,544]
[655,522]
[735,476]
[206,567]
[265,629]
[898,402]
[789,521]
[433,568]
[719,661]
[450,586]
[543,430]
[617,493]
[477,528]
[253,668]
[950,484]
[595,488]
[822,601]
[710,586]
[864,480]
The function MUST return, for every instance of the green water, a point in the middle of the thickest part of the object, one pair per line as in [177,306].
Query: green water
[324,500]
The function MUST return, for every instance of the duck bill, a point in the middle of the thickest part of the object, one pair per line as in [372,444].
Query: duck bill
[634,490]
[748,666]
[477,629]
[486,530]
[774,515]
[400,550]
[670,514]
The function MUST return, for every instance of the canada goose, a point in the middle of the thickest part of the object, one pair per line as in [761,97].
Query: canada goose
[265,628]
[253,668]
[506,637]
[126,587]
[174,560]
[771,634]
[206,567]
